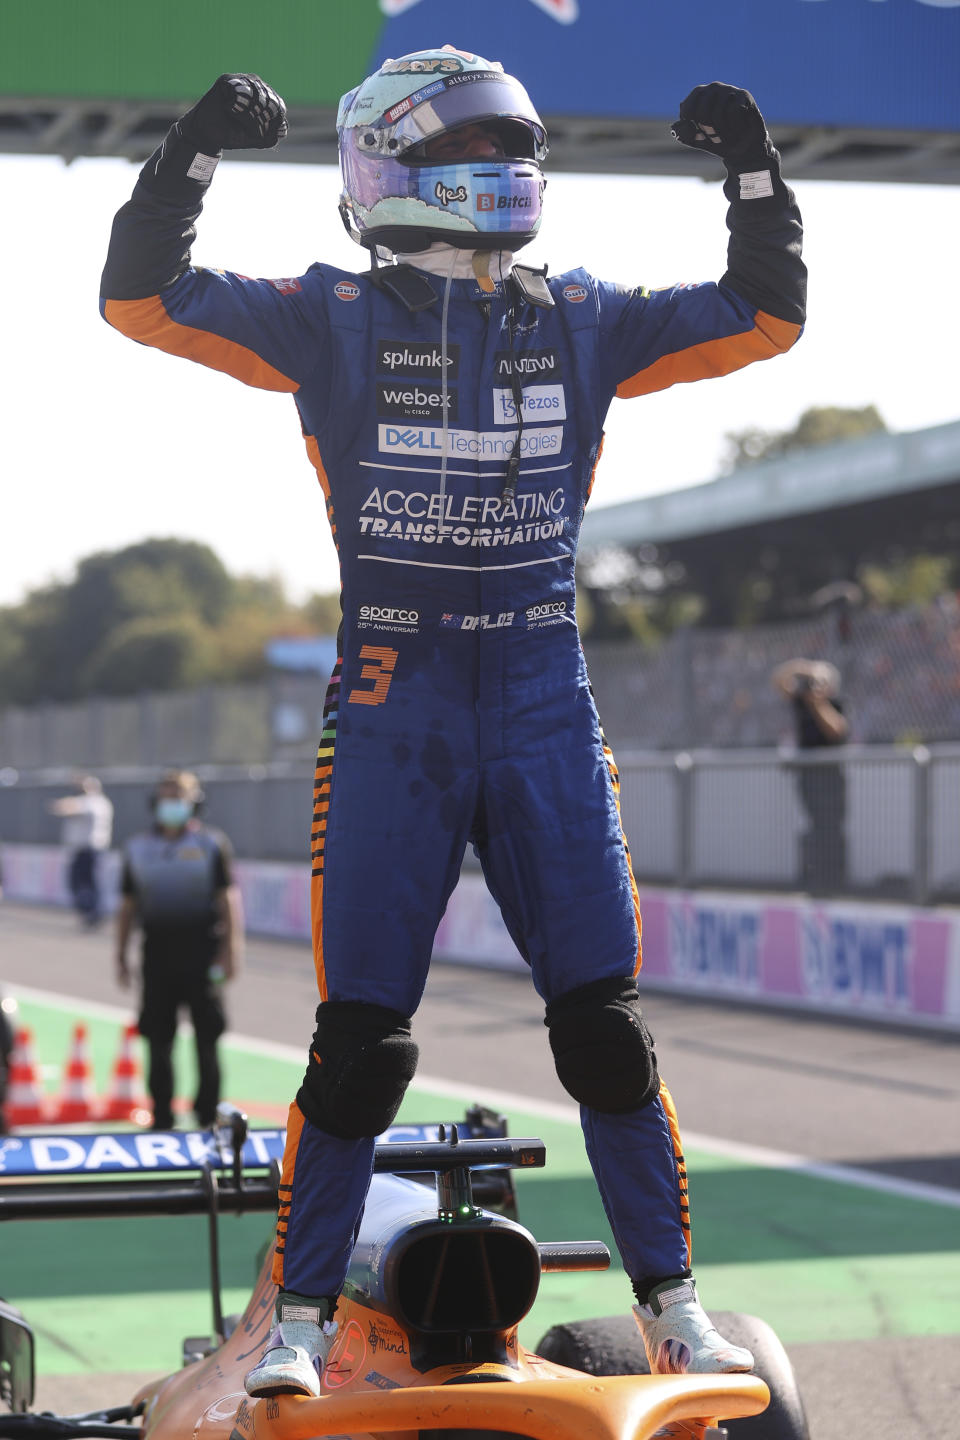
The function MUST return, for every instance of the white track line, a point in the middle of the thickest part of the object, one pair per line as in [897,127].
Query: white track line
[552,1110]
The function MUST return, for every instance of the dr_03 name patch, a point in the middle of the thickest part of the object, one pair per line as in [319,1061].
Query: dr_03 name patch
[540,402]
[415,402]
[450,620]
[408,357]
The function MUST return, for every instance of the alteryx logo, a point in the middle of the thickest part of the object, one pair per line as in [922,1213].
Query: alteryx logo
[537,364]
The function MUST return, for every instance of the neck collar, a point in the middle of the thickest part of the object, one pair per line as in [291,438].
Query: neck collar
[449,261]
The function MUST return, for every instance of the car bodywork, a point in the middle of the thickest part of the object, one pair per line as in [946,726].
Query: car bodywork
[427,1339]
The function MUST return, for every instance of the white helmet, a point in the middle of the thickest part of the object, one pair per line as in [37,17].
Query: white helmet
[394,196]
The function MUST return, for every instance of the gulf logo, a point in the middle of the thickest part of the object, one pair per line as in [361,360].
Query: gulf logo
[574,293]
[346,290]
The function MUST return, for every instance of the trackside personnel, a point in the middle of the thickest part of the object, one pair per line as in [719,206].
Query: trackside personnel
[177,885]
[452,404]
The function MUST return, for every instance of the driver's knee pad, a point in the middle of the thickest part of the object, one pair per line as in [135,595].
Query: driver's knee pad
[602,1048]
[361,1061]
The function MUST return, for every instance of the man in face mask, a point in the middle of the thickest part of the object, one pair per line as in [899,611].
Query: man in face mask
[177,885]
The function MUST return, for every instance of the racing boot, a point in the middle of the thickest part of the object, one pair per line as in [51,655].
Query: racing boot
[297,1349]
[678,1334]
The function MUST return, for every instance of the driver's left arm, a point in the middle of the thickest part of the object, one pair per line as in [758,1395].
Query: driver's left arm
[654,339]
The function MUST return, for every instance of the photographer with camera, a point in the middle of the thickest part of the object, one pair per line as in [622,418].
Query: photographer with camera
[812,689]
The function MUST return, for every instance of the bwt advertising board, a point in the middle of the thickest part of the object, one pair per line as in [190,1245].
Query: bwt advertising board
[877,64]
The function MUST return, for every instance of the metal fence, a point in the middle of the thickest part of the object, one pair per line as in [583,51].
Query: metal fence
[701,688]
[874,821]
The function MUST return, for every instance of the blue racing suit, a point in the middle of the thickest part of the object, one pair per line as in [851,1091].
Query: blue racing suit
[459,710]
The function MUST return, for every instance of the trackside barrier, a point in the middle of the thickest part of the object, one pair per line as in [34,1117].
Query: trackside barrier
[878,961]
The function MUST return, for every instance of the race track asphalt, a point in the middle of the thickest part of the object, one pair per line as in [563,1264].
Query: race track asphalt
[861,1280]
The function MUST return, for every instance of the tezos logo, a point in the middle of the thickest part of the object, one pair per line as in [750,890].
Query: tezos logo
[446,196]
[346,290]
[574,293]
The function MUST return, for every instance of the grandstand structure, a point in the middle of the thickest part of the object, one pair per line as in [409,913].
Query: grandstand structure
[800,523]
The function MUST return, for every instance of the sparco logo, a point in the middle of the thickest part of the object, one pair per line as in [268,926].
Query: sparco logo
[404,401]
[528,362]
[403,357]
[387,615]
[446,196]
[546,609]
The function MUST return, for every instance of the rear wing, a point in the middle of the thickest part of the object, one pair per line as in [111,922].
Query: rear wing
[66,1175]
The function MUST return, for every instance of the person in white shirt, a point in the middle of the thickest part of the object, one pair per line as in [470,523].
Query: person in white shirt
[86,833]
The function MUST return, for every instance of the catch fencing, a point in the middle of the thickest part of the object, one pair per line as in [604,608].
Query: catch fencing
[700,689]
[874,821]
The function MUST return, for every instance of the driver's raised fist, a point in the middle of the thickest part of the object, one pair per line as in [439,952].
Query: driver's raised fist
[722,120]
[238,112]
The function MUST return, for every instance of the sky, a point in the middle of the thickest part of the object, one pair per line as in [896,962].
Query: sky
[104,442]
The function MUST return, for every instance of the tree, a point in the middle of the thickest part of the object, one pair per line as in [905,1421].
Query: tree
[159,615]
[153,652]
[820,425]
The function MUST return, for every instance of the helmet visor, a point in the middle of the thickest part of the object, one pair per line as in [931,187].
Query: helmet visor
[452,100]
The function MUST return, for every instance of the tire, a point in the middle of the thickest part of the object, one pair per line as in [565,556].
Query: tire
[612,1346]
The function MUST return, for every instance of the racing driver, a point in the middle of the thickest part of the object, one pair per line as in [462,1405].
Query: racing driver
[452,403]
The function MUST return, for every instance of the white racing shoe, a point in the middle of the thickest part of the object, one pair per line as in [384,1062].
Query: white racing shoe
[296,1352]
[679,1336]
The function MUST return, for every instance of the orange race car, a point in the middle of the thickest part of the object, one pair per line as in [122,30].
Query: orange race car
[427,1344]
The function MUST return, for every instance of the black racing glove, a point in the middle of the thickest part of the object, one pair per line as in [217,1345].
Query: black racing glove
[723,120]
[238,112]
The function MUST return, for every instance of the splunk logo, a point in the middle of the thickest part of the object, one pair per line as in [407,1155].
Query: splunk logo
[404,357]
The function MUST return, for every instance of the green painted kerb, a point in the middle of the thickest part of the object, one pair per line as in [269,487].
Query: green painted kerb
[818,1260]
[311,51]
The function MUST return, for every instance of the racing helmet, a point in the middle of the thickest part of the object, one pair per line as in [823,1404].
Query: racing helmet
[394,196]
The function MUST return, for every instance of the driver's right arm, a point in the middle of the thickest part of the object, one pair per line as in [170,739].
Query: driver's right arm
[261,332]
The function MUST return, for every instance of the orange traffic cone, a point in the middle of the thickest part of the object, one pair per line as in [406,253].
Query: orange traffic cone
[24,1103]
[77,1099]
[126,1100]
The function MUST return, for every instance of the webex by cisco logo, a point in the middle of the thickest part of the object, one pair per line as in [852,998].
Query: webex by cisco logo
[406,357]
[407,400]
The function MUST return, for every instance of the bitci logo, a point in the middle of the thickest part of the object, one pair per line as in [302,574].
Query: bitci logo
[486,202]
[346,290]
